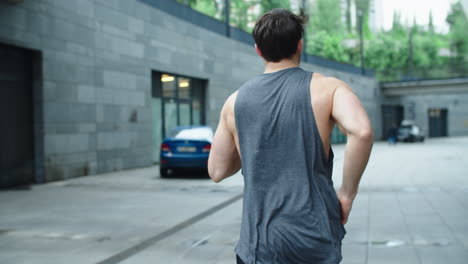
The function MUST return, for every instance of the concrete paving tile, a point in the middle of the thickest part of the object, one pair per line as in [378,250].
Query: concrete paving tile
[355,233]
[461,196]
[9,260]
[414,204]
[462,236]
[226,256]
[385,255]
[448,254]
[202,242]
[354,254]
[402,197]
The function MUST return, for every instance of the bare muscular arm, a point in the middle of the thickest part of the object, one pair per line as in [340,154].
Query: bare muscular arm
[224,160]
[352,119]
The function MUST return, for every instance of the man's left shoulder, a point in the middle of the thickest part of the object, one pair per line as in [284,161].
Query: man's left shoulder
[327,84]
[329,81]
[230,102]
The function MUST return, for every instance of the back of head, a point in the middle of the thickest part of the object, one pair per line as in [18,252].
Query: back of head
[277,34]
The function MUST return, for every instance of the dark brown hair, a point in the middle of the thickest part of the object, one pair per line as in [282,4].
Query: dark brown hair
[277,33]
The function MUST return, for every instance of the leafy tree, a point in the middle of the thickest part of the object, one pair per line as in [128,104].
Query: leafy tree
[209,8]
[270,4]
[363,6]
[458,38]
[328,46]
[239,15]
[397,27]
[387,52]
[456,12]
[431,23]
[348,16]
[326,16]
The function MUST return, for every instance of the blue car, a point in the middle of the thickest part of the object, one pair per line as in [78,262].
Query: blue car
[186,147]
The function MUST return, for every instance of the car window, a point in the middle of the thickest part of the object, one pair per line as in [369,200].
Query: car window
[199,133]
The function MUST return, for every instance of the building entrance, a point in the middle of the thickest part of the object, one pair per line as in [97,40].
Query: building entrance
[391,115]
[16,117]
[176,101]
[437,122]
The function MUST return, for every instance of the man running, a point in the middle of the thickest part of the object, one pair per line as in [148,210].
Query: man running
[277,128]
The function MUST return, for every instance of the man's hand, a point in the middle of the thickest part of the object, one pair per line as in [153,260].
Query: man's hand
[346,204]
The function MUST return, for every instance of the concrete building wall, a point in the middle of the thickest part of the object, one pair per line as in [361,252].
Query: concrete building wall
[416,107]
[97,58]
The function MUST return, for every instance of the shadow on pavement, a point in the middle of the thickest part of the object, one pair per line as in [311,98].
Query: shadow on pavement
[26,187]
[187,174]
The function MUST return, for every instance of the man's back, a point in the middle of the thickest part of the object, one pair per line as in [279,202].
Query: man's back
[291,212]
[277,129]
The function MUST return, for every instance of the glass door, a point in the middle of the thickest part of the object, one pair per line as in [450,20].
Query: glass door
[185,112]
[170,116]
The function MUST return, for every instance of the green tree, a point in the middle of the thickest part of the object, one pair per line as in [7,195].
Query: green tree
[397,26]
[239,14]
[456,12]
[458,38]
[270,4]
[324,33]
[349,26]
[326,16]
[401,50]
[208,7]
[328,46]
[363,6]
[431,23]
[386,54]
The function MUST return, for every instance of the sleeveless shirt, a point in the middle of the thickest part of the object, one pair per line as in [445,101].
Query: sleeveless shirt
[291,214]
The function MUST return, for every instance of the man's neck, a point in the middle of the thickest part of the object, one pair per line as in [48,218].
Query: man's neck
[283,64]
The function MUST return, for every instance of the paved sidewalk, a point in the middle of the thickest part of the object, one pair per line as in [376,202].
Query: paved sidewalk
[411,208]
[412,205]
[88,219]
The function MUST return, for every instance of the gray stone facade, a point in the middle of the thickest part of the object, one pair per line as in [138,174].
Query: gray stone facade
[418,97]
[97,60]
[417,106]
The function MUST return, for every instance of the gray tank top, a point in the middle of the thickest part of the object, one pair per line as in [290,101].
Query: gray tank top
[291,213]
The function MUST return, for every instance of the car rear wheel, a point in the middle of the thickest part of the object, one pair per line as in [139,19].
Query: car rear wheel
[163,172]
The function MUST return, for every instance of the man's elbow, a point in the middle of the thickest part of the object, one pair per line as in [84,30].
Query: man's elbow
[216,177]
[214,174]
[366,135]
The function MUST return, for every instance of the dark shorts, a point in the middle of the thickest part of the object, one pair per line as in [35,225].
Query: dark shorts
[239,260]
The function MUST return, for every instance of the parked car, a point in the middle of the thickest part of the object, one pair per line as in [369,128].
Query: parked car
[410,132]
[187,147]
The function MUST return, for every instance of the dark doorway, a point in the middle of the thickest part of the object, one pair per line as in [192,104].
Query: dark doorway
[391,115]
[437,122]
[16,116]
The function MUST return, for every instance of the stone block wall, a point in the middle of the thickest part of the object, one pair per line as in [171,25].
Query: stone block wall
[97,59]
[417,107]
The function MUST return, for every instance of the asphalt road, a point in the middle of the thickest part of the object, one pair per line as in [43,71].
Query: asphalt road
[411,208]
